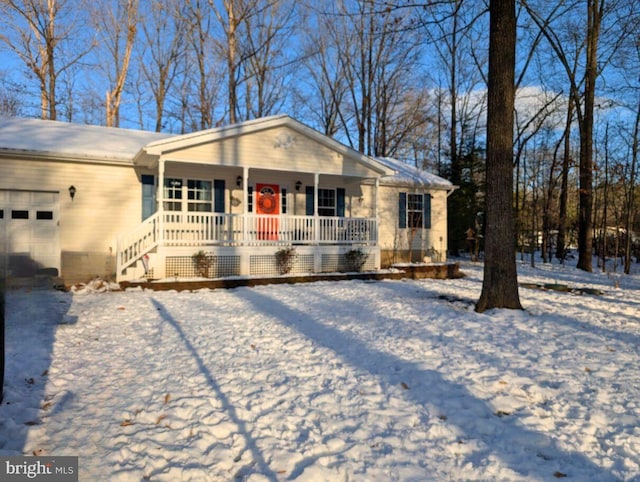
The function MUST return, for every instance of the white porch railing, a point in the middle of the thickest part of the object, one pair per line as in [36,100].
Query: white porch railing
[193,229]
[135,244]
[213,229]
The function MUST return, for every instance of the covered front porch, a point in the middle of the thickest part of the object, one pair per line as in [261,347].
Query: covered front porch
[179,245]
[236,196]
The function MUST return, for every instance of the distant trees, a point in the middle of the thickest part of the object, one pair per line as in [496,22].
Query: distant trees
[48,38]
[364,64]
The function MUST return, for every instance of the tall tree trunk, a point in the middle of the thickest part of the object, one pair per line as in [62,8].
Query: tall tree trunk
[585,211]
[635,148]
[561,247]
[500,283]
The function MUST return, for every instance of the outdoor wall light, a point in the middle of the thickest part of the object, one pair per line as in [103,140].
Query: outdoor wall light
[298,185]
[72,192]
[239,181]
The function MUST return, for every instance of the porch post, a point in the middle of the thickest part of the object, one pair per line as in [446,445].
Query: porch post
[160,262]
[160,200]
[245,255]
[317,257]
[316,182]
[245,189]
[375,198]
[245,203]
[375,207]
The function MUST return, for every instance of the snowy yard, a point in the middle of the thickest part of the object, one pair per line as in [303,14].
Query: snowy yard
[335,381]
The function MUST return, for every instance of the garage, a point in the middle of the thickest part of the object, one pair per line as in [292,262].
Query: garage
[29,232]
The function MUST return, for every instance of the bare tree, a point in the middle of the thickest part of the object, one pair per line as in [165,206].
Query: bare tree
[266,40]
[164,45]
[117,26]
[326,79]
[44,34]
[364,68]
[230,17]
[582,91]
[500,282]
[205,78]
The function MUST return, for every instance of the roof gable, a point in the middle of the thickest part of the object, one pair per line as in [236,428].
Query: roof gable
[278,142]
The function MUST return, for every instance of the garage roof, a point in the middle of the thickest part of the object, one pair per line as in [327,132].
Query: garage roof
[63,139]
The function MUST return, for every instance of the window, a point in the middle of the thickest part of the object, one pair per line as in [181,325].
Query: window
[44,215]
[173,194]
[199,195]
[414,211]
[19,214]
[331,202]
[326,202]
[1,213]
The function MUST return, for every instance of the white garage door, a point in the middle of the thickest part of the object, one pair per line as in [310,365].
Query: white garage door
[29,231]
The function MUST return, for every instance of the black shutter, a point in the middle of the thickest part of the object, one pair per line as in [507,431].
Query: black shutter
[340,201]
[426,207]
[148,195]
[402,210]
[310,194]
[218,196]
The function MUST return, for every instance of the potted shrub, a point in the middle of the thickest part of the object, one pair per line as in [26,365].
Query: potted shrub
[285,258]
[355,259]
[201,263]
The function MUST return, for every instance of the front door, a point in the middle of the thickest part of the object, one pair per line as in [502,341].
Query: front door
[268,207]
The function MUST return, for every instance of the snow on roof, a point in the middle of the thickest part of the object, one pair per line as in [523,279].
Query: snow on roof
[73,140]
[408,174]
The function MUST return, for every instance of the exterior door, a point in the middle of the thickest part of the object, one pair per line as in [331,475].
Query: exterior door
[29,232]
[268,207]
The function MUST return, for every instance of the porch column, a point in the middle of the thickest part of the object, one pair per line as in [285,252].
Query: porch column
[245,254]
[316,221]
[245,189]
[160,199]
[317,256]
[160,262]
[245,204]
[375,207]
[375,198]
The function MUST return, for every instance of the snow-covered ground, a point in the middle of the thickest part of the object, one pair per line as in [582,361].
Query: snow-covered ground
[335,381]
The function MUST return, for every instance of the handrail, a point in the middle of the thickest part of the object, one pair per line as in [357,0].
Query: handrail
[135,244]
